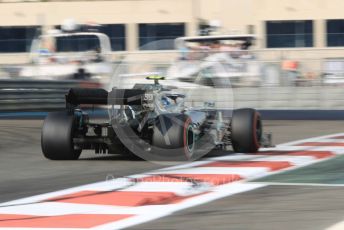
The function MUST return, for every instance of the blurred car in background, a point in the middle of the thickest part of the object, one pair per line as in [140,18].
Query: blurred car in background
[216,59]
[69,53]
[333,71]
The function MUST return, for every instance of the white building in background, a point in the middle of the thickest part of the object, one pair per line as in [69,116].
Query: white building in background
[278,24]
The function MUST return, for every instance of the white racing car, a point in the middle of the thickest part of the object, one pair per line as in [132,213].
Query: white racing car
[213,60]
[72,54]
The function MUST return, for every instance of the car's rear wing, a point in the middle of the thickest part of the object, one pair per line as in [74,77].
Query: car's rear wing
[245,38]
[78,96]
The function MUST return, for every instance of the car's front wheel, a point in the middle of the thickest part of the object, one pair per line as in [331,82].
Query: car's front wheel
[246,130]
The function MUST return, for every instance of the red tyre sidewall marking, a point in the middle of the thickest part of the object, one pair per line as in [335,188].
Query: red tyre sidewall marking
[255,138]
[186,148]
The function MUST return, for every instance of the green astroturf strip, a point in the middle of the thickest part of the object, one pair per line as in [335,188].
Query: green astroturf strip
[327,172]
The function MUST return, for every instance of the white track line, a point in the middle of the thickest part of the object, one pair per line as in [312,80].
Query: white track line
[242,171]
[59,208]
[337,226]
[300,184]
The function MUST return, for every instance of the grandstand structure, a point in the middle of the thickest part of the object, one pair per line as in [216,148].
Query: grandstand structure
[288,25]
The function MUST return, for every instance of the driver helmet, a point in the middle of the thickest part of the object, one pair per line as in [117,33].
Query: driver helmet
[165,101]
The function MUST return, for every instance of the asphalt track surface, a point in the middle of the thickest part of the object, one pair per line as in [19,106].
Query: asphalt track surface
[24,172]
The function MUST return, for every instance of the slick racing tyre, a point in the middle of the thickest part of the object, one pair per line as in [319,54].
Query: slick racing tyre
[174,132]
[246,130]
[57,137]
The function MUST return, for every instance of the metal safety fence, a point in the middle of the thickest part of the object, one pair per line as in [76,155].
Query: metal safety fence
[35,95]
[47,95]
[264,79]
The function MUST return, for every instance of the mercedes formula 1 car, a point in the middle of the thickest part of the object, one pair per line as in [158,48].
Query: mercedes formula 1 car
[150,120]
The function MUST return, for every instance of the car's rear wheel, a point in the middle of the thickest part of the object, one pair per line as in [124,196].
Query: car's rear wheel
[246,130]
[174,134]
[57,137]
